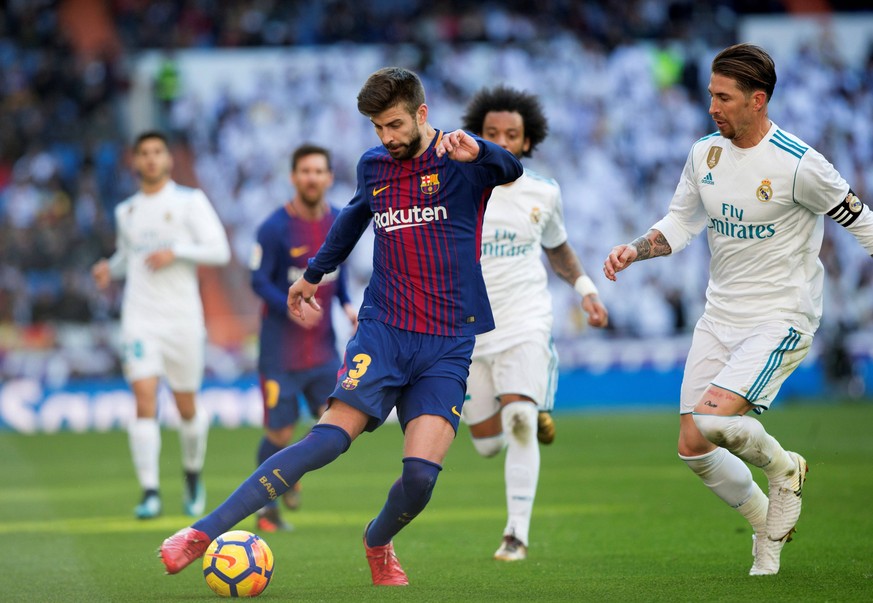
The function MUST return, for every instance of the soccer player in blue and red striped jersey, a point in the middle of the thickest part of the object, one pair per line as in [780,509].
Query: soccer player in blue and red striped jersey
[425,192]
[296,358]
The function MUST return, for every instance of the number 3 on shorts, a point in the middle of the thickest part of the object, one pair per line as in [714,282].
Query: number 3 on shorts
[362,361]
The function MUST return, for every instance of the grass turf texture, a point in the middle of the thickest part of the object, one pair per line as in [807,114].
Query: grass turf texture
[617,518]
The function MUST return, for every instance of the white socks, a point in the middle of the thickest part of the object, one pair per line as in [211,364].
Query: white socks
[519,420]
[730,479]
[144,436]
[193,434]
[489,446]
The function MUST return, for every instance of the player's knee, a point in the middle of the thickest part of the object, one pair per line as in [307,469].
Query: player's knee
[489,446]
[721,431]
[519,421]
[418,479]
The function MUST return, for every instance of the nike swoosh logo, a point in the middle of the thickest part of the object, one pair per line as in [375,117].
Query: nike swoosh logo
[376,191]
[277,473]
[296,252]
[455,411]
[230,559]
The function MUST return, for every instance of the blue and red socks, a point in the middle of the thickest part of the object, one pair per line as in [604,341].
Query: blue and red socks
[406,499]
[276,475]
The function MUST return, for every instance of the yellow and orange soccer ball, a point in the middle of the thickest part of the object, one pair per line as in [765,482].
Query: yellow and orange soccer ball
[238,564]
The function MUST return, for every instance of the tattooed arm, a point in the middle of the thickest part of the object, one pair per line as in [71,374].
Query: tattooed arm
[653,244]
[564,262]
[566,265]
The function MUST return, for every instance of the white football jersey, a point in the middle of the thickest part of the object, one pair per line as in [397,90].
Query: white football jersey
[177,218]
[762,209]
[522,217]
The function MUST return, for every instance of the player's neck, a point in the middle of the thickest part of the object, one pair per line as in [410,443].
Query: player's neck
[296,207]
[754,135]
[151,188]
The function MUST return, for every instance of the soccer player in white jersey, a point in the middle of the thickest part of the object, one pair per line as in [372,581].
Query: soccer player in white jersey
[761,194]
[511,387]
[163,232]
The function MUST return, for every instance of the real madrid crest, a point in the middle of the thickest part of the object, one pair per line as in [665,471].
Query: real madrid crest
[854,203]
[430,183]
[713,157]
[535,215]
[765,191]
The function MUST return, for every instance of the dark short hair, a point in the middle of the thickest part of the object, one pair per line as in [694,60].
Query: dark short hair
[149,135]
[307,149]
[749,65]
[388,87]
[504,98]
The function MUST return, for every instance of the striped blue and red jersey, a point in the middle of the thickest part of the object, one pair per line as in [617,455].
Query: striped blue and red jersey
[284,242]
[427,216]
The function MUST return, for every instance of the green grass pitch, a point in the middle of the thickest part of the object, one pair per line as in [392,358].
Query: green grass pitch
[618,518]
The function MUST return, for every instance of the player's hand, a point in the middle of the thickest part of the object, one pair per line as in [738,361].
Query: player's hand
[618,259]
[311,316]
[598,316]
[352,315]
[299,292]
[100,274]
[458,145]
[160,259]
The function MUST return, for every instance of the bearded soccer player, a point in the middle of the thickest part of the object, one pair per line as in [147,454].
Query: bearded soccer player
[164,232]
[761,194]
[296,358]
[425,192]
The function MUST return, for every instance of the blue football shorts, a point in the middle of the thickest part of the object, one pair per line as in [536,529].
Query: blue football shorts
[283,392]
[419,374]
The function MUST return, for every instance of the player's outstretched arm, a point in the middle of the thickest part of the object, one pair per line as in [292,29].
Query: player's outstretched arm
[566,265]
[351,314]
[651,245]
[301,291]
[458,145]
[101,274]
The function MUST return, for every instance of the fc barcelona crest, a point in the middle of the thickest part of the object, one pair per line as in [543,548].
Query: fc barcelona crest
[765,191]
[349,384]
[430,183]
[713,157]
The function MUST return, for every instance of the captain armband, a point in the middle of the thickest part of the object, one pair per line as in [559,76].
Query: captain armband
[848,210]
[584,286]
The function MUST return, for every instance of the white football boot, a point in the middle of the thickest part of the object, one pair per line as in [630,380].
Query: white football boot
[785,495]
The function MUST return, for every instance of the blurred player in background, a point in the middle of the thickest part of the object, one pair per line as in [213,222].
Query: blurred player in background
[296,357]
[425,192]
[760,193]
[164,231]
[514,372]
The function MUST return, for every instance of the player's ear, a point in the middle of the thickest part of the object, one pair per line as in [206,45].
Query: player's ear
[421,114]
[759,98]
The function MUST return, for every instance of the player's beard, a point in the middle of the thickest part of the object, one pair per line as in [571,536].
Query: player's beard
[311,198]
[727,131]
[409,150]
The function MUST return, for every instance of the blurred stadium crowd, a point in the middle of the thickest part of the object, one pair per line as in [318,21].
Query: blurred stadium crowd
[623,85]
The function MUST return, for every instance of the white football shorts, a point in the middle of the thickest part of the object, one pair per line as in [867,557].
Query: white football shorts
[527,369]
[176,354]
[752,362]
